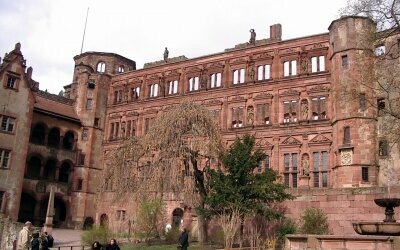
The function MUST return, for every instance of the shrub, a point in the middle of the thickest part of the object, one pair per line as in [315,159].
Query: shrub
[314,221]
[100,234]
[172,236]
[149,221]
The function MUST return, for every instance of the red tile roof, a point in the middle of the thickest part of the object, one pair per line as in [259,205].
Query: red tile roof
[55,105]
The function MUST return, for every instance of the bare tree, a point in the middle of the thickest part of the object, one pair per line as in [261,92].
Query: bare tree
[230,220]
[172,157]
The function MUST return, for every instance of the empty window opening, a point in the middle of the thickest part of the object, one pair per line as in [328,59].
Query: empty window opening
[215,80]
[79,185]
[101,67]
[346,135]
[65,171]
[380,50]
[364,174]
[172,87]
[89,103]
[49,172]
[238,76]
[320,169]
[153,90]
[121,69]
[317,64]
[363,102]
[290,111]
[38,134]
[383,148]
[237,117]
[345,62]
[53,139]
[69,140]
[263,72]
[290,68]
[290,162]
[194,83]
[33,169]
[318,108]
[262,114]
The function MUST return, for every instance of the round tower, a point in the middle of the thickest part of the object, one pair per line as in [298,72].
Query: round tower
[354,126]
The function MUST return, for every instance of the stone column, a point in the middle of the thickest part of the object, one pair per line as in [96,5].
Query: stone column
[48,225]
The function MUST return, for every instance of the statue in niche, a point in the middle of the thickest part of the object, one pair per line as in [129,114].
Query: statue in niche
[304,64]
[162,85]
[166,52]
[203,79]
[252,36]
[305,167]
[252,72]
[250,116]
[304,109]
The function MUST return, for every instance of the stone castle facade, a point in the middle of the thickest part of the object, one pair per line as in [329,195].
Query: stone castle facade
[290,94]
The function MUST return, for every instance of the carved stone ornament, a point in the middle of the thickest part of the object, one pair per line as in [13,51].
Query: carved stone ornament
[320,139]
[263,95]
[215,65]
[115,115]
[237,99]
[319,88]
[173,72]
[194,69]
[265,55]
[132,113]
[238,60]
[153,77]
[290,92]
[214,102]
[291,141]
[264,143]
[346,157]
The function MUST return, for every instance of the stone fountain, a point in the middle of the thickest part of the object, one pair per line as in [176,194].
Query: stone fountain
[389,226]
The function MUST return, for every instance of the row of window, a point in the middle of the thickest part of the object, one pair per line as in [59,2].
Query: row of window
[101,68]
[54,139]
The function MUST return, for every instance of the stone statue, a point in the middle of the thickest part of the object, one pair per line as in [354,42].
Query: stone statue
[252,73]
[305,167]
[203,80]
[250,116]
[304,65]
[252,36]
[166,52]
[304,109]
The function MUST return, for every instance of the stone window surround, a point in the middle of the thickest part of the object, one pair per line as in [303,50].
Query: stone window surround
[9,160]
[17,80]
[7,116]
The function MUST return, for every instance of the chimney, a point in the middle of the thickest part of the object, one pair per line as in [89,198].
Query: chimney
[29,73]
[275,32]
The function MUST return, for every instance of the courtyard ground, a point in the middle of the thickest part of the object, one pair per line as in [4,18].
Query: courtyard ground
[66,237]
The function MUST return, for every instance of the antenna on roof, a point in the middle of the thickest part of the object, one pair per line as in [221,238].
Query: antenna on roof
[84,30]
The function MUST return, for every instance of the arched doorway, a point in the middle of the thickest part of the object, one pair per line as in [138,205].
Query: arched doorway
[33,170]
[38,134]
[60,211]
[54,138]
[177,216]
[50,170]
[68,141]
[103,220]
[26,208]
[65,170]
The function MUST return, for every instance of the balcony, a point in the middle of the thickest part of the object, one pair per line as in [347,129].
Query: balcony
[45,151]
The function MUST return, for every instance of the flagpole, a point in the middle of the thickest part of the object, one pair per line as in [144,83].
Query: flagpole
[84,30]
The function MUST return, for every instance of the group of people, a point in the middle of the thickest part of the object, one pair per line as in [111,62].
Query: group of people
[111,246]
[33,241]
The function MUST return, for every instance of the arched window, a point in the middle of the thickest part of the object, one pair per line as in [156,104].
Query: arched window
[54,137]
[50,170]
[121,69]
[38,134]
[101,67]
[68,141]
[65,170]
[33,170]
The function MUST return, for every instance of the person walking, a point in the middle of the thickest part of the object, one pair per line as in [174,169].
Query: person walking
[184,240]
[44,242]
[113,245]
[24,237]
[35,243]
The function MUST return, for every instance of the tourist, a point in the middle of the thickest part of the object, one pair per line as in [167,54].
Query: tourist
[113,245]
[44,242]
[97,246]
[50,239]
[35,243]
[184,240]
[24,237]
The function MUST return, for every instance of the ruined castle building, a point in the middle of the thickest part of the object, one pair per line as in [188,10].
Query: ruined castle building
[293,95]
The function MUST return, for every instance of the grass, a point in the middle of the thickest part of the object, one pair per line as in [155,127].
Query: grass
[193,246]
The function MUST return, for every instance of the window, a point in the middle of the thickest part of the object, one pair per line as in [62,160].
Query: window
[194,83]
[262,114]
[215,80]
[101,67]
[148,122]
[121,69]
[363,102]
[320,169]
[89,103]
[215,114]
[290,111]
[131,128]
[290,162]
[91,84]
[290,68]
[238,76]
[317,64]
[318,108]
[7,124]
[85,134]
[237,117]
[12,82]
[153,90]
[364,174]
[114,130]
[383,148]
[82,159]
[381,106]
[346,135]
[5,158]
[96,122]
[2,198]
[135,93]
[79,185]
[121,215]
[264,164]
[263,72]
[172,87]
[380,50]
[345,62]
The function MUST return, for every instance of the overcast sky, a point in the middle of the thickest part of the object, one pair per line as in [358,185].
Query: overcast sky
[50,31]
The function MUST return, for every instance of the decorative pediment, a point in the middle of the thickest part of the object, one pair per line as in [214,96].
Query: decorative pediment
[291,141]
[263,95]
[115,115]
[132,113]
[237,99]
[215,65]
[173,72]
[153,77]
[214,102]
[319,88]
[320,139]
[264,143]
[195,69]
[238,60]
[289,51]
[290,92]
[265,55]
[135,80]
[317,46]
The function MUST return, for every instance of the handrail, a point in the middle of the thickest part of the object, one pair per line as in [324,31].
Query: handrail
[76,247]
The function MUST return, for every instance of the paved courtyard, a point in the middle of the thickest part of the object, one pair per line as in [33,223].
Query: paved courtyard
[66,237]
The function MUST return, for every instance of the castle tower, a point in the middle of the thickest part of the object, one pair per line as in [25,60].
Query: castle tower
[354,127]
[89,90]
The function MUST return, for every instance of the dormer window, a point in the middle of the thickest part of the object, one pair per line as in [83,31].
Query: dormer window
[101,67]
[11,82]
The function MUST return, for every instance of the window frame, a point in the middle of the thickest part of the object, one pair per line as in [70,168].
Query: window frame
[3,152]
[7,124]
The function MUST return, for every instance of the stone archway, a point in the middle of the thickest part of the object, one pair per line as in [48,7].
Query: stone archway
[60,211]
[103,220]
[177,217]
[27,208]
